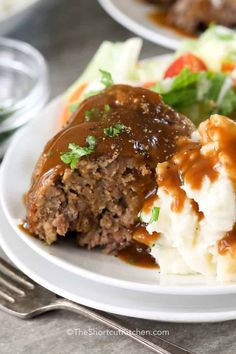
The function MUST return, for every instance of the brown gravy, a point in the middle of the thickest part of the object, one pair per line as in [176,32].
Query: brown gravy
[137,254]
[160,17]
[228,243]
[23,226]
[189,163]
[149,136]
[225,135]
[142,236]
[168,177]
[149,202]
[195,207]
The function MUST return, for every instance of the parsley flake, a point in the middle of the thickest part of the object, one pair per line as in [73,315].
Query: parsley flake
[114,131]
[89,115]
[107,108]
[72,157]
[155,215]
[73,107]
[91,140]
[106,78]
[96,113]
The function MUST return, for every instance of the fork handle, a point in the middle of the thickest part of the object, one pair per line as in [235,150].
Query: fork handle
[154,343]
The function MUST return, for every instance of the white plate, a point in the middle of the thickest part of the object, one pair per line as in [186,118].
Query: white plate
[133,14]
[162,307]
[15,177]
[16,15]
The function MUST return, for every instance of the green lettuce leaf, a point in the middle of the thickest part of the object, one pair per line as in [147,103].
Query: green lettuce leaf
[184,79]
[198,95]
[119,59]
[216,82]
[228,104]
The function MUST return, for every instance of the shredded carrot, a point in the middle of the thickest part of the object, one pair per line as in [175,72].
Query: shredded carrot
[149,84]
[77,93]
[228,67]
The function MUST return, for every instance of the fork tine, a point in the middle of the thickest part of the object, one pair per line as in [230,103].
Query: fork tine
[15,274]
[5,295]
[7,283]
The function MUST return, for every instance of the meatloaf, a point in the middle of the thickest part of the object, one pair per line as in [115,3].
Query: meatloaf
[195,15]
[128,131]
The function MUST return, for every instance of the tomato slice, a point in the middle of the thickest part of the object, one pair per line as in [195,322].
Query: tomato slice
[191,61]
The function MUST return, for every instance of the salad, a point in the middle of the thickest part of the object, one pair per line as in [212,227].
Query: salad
[198,80]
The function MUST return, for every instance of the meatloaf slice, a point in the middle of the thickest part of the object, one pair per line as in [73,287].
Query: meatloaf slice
[99,198]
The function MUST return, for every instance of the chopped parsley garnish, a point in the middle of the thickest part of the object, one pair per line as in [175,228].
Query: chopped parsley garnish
[91,140]
[72,157]
[155,214]
[95,112]
[107,108]
[88,115]
[114,131]
[73,107]
[154,217]
[106,78]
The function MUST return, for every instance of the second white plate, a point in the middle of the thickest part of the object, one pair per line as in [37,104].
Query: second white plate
[133,15]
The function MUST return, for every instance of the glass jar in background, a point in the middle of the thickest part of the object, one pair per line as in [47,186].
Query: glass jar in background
[24,87]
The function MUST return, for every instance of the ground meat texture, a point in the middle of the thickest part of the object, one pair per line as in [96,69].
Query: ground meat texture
[98,201]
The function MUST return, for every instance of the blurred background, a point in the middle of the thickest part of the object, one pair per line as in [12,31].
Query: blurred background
[67,33]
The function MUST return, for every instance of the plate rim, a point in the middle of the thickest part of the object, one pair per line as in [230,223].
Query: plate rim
[100,278]
[175,317]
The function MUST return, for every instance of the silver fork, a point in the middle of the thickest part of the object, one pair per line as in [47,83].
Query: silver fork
[22,297]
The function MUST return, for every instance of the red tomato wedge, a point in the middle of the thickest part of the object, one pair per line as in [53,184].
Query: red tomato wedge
[191,61]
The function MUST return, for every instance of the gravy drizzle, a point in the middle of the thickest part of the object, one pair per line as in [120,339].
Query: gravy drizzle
[149,136]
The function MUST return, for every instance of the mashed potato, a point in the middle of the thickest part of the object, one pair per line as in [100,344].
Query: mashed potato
[196,205]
